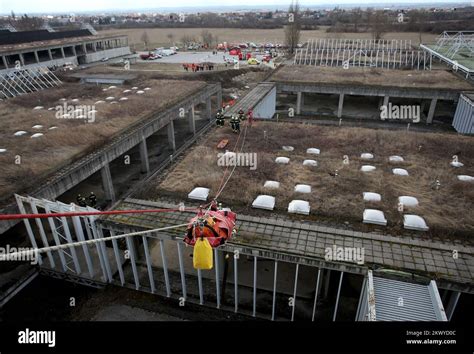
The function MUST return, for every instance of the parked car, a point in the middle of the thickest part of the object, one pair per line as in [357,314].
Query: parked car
[253,61]
[104,59]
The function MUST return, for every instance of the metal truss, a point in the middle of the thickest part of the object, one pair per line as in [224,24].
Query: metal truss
[18,82]
[383,58]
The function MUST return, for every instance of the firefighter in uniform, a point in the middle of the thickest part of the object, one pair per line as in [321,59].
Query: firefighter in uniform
[92,199]
[241,114]
[235,123]
[220,118]
[81,201]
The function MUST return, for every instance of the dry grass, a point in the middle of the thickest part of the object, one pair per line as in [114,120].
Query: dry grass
[446,211]
[158,36]
[372,77]
[73,138]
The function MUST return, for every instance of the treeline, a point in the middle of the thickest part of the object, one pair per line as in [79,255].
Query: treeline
[358,20]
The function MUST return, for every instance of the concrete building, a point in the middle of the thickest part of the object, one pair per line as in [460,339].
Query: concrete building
[57,48]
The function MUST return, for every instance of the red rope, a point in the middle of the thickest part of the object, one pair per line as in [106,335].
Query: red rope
[88,213]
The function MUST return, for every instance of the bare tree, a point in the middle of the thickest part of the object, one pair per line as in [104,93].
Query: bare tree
[170,36]
[145,39]
[293,28]
[378,24]
[207,38]
[187,40]
[356,18]
[26,23]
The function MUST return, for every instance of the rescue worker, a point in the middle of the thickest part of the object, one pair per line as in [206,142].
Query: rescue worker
[241,114]
[220,118]
[81,201]
[250,117]
[92,199]
[235,123]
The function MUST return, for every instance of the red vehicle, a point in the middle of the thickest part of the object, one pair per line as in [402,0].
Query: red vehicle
[267,58]
[235,51]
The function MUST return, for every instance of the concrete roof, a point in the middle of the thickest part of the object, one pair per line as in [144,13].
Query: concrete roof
[434,79]
[51,43]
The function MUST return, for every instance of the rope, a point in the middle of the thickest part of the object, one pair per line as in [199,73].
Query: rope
[227,167]
[89,213]
[15,255]
[232,172]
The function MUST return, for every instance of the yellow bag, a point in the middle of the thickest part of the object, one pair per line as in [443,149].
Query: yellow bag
[202,256]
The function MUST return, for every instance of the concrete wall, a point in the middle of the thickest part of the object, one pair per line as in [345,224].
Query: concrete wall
[108,53]
[266,107]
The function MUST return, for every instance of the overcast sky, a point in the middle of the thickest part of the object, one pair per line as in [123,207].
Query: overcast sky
[69,6]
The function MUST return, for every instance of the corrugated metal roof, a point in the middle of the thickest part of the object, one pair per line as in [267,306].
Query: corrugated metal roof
[401,301]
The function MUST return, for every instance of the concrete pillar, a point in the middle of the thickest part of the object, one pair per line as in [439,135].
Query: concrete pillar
[326,283]
[84,48]
[144,156]
[22,59]
[50,54]
[94,46]
[36,56]
[191,121]
[62,52]
[453,301]
[422,106]
[74,50]
[4,58]
[208,108]
[219,99]
[431,111]
[385,101]
[299,102]
[107,183]
[340,105]
[171,139]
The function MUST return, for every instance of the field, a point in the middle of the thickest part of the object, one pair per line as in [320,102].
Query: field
[27,159]
[447,211]
[159,36]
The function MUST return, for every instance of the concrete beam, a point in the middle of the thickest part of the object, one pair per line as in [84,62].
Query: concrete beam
[340,105]
[171,138]
[431,111]
[107,183]
[405,92]
[299,102]
[144,156]
[191,121]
